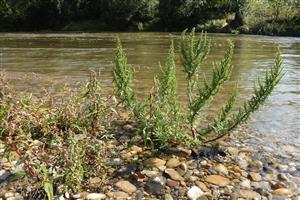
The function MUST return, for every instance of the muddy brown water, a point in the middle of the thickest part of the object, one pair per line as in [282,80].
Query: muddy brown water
[35,61]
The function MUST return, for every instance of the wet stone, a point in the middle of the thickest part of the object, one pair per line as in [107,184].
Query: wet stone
[156,185]
[4,175]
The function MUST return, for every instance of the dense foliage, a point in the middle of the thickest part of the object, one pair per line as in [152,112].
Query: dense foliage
[255,16]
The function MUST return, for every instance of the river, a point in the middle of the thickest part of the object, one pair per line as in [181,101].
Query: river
[34,61]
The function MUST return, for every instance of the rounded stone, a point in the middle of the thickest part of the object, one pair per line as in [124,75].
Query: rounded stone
[194,193]
[173,162]
[120,195]
[246,184]
[217,180]
[249,194]
[126,186]
[174,174]
[282,192]
[95,196]
[254,176]
[221,169]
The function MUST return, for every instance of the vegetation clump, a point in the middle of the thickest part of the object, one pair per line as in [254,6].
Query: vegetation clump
[161,118]
[62,145]
[58,143]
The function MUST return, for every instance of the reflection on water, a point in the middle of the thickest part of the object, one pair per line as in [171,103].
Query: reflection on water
[69,57]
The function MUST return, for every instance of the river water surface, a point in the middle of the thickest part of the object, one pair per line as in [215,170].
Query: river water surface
[70,57]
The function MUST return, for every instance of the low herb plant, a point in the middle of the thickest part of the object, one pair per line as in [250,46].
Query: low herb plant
[57,144]
[162,120]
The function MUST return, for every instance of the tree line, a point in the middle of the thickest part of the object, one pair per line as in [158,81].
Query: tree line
[162,15]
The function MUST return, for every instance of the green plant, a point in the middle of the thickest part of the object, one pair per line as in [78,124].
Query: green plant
[57,142]
[74,161]
[47,183]
[160,116]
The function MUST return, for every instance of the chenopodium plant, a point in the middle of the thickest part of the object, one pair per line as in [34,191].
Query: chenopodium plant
[161,118]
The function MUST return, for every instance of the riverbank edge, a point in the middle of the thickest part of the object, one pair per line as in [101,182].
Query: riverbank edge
[268,29]
[227,168]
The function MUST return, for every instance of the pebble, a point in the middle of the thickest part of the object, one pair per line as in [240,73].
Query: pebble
[117,161]
[194,193]
[4,175]
[182,169]
[120,195]
[168,197]
[136,149]
[202,186]
[217,180]
[249,194]
[233,151]
[156,185]
[95,181]
[155,162]
[256,166]
[126,186]
[174,174]
[221,169]
[173,163]
[282,167]
[193,178]
[204,163]
[172,184]
[15,198]
[150,173]
[95,196]
[276,186]
[9,194]
[254,176]
[283,177]
[271,177]
[282,192]
[264,185]
[81,195]
[242,163]
[246,184]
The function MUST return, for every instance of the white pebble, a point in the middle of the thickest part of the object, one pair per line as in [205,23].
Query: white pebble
[194,193]
[95,196]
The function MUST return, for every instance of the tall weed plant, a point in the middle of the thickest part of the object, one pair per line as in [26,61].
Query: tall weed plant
[162,120]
